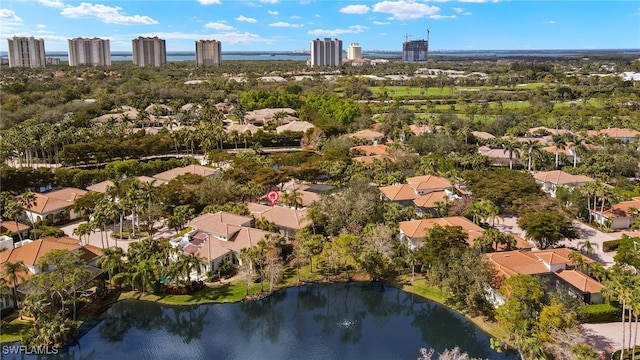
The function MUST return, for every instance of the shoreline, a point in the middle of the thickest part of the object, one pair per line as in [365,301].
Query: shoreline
[416,287]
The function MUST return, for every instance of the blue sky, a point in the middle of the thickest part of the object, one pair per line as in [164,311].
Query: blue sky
[281,25]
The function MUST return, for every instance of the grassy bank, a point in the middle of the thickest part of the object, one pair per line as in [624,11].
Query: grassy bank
[11,330]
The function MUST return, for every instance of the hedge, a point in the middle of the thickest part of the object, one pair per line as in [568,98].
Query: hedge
[601,313]
[611,245]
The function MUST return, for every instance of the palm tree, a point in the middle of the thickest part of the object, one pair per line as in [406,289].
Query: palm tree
[512,148]
[12,270]
[532,148]
[12,210]
[111,260]
[292,198]
[27,200]
[83,229]
[560,143]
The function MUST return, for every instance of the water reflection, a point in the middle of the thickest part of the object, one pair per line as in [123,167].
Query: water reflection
[317,321]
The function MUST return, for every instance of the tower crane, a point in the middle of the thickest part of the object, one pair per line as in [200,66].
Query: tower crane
[406,37]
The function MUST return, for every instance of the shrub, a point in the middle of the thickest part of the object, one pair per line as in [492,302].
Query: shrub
[601,313]
[611,245]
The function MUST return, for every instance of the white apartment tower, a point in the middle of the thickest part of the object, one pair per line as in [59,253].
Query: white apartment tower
[208,52]
[326,52]
[149,51]
[26,52]
[89,52]
[354,51]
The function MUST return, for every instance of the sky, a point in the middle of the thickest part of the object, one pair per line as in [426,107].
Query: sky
[285,25]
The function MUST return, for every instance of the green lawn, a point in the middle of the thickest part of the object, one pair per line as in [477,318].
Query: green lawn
[11,330]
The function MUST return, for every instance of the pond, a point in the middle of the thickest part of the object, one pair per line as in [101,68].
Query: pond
[315,321]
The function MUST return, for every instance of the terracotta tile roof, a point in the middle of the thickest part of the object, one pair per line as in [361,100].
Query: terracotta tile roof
[31,253]
[621,209]
[189,169]
[281,216]
[429,200]
[550,130]
[616,133]
[89,253]
[10,226]
[428,182]
[580,281]
[557,256]
[417,229]
[367,134]
[560,177]
[220,223]
[552,149]
[101,187]
[243,128]
[369,150]
[370,159]
[245,238]
[399,192]
[418,130]
[55,200]
[516,262]
[483,135]
[299,126]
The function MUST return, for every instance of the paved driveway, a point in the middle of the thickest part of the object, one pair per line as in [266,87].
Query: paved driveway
[585,232]
[96,239]
[604,336]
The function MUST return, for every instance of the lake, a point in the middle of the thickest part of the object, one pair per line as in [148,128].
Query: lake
[314,322]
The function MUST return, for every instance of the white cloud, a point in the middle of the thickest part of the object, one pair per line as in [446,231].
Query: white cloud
[383,34]
[458,10]
[230,37]
[209,2]
[218,26]
[466,13]
[246,19]
[286,24]
[270,1]
[273,12]
[354,29]
[52,3]
[317,15]
[550,22]
[106,14]
[9,21]
[405,10]
[381,23]
[478,1]
[440,17]
[41,26]
[355,9]
[294,17]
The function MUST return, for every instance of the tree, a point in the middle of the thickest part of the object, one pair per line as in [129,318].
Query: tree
[560,143]
[112,260]
[532,148]
[547,227]
[83,229]
[512,148]
[628,252]
[440,242]
[12,210]
[14,271]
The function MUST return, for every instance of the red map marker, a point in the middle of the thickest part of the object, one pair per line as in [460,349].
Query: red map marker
[273,197]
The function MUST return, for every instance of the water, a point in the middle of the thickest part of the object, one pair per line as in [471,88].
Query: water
[314,322]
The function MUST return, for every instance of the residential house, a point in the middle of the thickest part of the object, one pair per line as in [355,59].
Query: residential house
[54,206]
[415,231]
[618,216]
[295,126]
[422,192]
[13,230]
[30,252]
[219,237]
[264,116]
[309,193]
[368,153]
[499,156]
[552,264]
[169,175]
[551,180]
[482,135]
[621,134]
[373,136]
[102,186]
[288,220]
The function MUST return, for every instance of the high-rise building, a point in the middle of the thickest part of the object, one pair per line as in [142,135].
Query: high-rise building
[149,51]
[326,52]
[208,52]
[417,50]
[91,52]
[354,51]
[26,52]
